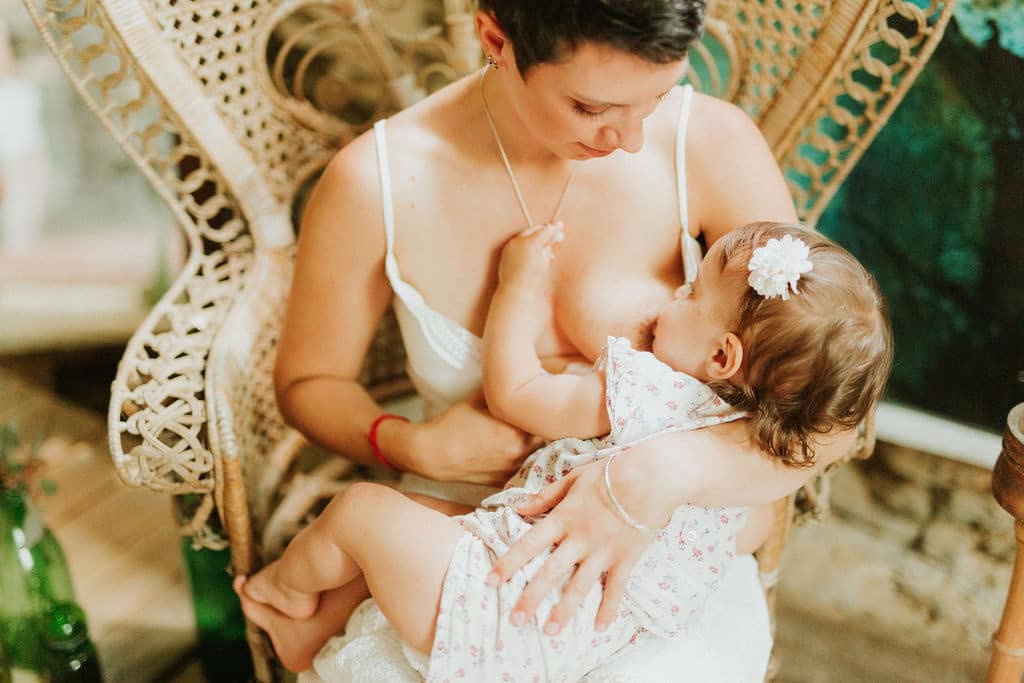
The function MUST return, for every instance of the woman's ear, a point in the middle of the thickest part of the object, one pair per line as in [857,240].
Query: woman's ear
[726,358]
[492,39]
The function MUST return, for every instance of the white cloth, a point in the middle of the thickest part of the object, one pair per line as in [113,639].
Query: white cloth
[668,587]
[729,642]
[666,594]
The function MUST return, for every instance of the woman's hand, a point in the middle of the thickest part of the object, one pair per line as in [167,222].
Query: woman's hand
[465,443]
[592,542]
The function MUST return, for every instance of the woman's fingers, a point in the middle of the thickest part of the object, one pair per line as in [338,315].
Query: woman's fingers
[561,564]
[588,535]
[614,590]
[583,581]
[542,536]
[548,497]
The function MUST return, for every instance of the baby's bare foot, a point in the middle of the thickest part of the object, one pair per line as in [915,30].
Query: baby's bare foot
[263,587]
[296,641]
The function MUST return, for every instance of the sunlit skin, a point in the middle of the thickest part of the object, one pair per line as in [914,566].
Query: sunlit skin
[702,315]
[619,264]
[568,109]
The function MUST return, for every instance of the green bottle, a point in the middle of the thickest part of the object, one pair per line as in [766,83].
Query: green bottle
[223,650]
[33,576]
[70,656]
[5,666]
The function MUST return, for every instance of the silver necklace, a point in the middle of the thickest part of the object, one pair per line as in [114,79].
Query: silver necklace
[508,166]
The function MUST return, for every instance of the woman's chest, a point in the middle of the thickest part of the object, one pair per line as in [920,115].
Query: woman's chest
[613,286]
[619,262]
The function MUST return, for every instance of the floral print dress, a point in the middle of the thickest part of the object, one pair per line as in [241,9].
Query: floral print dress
[475,639]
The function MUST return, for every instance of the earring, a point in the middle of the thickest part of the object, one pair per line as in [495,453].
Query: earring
[491,61]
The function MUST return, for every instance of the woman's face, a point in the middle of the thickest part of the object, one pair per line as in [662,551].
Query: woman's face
[593,102]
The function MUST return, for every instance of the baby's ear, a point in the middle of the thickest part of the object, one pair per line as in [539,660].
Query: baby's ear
[726,358]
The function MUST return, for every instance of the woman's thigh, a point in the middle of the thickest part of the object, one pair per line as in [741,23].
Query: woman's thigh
[731,640]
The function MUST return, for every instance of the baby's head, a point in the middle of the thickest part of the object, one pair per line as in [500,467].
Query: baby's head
[813,357]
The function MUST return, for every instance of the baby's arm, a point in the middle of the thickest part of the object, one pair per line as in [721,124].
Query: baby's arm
[517,388]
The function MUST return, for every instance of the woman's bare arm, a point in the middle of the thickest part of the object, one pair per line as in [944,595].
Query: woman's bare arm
[715,467]
[732,178]
[339,294]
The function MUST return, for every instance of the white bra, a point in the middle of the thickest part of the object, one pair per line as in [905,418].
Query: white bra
[443,357]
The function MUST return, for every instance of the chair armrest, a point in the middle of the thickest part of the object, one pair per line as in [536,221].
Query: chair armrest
[157,419]
[251,444]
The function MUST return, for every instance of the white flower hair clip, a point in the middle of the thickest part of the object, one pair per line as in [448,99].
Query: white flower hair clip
[777,266]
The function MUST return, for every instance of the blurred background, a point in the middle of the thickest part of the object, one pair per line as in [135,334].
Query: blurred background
[913,564]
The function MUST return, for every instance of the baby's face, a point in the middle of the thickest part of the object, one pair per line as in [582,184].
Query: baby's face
[690,327]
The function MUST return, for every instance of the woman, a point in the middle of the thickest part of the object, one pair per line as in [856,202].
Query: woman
[417,213]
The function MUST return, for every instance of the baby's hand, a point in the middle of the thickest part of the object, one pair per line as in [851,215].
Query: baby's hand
[527,256]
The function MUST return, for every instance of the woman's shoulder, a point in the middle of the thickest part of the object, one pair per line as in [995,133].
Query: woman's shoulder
[716,130]
[735,176]
[718,126]
[354,174]
[431,130]
[417,135]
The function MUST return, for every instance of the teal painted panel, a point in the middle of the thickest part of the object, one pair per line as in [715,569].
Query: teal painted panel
[936,210]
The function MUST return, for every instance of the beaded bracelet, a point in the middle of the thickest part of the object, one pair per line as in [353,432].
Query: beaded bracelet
[611,496]
[372,437]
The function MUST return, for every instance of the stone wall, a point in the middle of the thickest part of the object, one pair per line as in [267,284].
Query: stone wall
[916,554]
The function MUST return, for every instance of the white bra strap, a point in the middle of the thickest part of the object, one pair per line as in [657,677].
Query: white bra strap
[684,117]
[385,188]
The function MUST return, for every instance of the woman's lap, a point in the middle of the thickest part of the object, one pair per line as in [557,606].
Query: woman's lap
[731,641]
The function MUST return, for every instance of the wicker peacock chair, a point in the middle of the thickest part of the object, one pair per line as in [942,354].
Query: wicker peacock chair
[232,107]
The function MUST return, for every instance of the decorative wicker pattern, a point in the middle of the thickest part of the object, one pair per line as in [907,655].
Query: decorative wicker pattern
[158,431]
[867,80]
[774,36]
[231,107]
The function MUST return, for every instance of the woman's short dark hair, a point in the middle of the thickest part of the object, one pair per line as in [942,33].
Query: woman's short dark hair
[541,31]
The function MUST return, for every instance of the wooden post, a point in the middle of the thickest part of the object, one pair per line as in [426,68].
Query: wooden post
[1008,488]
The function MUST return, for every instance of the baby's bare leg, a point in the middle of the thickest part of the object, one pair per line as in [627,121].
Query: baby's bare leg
[296,641]
[315,561]
[401,546]
[403,549]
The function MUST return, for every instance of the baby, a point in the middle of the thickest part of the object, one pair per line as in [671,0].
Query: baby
[781,327]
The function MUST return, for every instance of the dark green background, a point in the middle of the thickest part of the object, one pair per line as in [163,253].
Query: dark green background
[936,208]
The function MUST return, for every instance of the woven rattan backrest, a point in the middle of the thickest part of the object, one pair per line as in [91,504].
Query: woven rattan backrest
[291,81]
[820,77]
[231,107]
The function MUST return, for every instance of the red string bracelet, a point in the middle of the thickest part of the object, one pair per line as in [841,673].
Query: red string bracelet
[373,438]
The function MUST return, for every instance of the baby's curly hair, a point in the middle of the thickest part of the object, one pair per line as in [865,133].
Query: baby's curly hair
[814,362]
